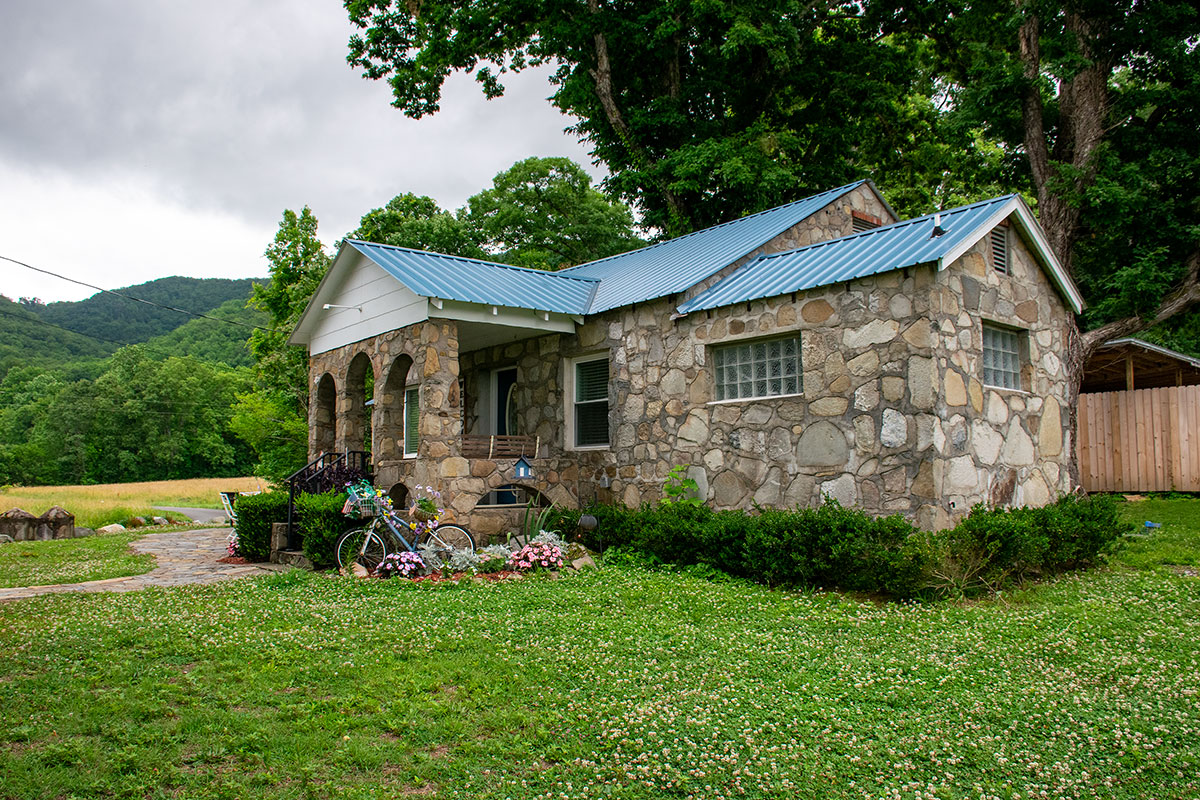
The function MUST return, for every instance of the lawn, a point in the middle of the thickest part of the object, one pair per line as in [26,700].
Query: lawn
[100,504]
[613,683]
[92,558]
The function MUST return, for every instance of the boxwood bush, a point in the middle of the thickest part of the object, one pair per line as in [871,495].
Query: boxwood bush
[835,547]
[321,523]
[255,514]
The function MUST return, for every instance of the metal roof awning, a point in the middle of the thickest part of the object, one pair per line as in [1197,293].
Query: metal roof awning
[1128,364]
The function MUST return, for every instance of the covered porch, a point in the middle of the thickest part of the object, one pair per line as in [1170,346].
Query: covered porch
[455,404]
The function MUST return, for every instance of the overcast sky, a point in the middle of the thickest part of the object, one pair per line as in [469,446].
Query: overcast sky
[141,139]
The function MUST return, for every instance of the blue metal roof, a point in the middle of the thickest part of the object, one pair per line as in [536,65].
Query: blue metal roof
[473,281]
[902,244]
[678,264]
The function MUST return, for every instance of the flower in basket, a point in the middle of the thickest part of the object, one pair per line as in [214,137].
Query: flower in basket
[403,565]
[426,510]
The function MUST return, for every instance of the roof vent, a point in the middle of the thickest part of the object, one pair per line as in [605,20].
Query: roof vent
[938,230]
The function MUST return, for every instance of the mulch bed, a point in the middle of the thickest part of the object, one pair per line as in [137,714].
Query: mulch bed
[233,560]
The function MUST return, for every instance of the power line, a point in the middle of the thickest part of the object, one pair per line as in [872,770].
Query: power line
[136,299]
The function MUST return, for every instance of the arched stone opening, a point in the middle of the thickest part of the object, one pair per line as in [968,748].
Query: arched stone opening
[396,413]
[324,427]
[356,410]
[513,494]
[399,496]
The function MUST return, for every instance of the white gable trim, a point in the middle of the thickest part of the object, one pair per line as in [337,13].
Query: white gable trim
[1016,209]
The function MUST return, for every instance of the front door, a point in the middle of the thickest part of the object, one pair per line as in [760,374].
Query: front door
[504,417]
[504,390]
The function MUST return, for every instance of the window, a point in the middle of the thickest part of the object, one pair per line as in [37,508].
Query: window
[412,416]
[1001,357]
[758,369]
[1000,249]
[589,402]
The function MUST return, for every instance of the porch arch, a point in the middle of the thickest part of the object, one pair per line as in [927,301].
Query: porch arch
[324,423]
[389,411]
[356,414]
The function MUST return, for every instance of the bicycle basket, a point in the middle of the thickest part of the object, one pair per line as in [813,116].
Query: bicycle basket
[360,503]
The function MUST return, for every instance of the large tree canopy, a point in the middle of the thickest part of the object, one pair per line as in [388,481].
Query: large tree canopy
[1100,100]
[705,111]
[702,111]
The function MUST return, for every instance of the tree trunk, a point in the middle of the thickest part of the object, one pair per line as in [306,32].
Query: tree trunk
[602,75]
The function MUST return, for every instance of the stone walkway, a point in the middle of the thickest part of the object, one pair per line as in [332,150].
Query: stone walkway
[183,558]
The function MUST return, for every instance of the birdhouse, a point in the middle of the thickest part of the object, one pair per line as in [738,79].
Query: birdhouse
[522,469]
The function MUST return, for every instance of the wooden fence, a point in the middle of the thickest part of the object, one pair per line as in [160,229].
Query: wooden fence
[1147,440]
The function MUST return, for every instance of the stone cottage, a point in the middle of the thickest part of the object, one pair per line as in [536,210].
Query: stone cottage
[820,348]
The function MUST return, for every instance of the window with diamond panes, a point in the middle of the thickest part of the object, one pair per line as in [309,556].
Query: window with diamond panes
[1001,358]
[591,403]
[758,369]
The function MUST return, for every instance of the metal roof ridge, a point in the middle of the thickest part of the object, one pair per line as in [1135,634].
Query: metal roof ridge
[885,228]
[840,190]
[479,261]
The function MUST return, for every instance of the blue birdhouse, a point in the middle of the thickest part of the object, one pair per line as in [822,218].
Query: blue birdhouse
[522,469]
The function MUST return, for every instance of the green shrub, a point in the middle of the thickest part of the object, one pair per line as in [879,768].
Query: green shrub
[845,548]
[1080,531]
[321,523]
[255,514]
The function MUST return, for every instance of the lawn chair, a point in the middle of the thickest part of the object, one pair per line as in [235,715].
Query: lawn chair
[228,500]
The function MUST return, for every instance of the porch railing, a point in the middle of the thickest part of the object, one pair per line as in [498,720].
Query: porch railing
[327,471]
[491,447]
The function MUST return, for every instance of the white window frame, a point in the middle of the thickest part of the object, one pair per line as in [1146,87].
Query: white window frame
[413,390]
[570,385]
[720,389]
[1019,352]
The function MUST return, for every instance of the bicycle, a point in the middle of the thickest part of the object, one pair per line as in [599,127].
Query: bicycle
[367,546]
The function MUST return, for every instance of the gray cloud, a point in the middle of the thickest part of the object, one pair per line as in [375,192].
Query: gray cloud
[246,108]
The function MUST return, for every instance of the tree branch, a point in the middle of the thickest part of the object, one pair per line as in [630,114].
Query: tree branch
[1184,296]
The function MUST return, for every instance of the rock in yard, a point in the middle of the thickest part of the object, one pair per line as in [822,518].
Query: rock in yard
[583,563]
[114,528]
[81,532]
[160,521]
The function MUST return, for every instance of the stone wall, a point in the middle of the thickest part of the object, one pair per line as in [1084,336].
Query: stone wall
[21,526]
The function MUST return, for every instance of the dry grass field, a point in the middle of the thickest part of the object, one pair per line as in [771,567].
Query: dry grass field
[101,504]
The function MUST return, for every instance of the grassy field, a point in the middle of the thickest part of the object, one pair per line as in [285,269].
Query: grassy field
[612,683]
[102,504]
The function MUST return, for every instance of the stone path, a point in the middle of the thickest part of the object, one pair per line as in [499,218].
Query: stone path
[183,558]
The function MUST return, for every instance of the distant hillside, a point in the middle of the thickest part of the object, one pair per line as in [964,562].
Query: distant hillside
[108,316]
[213,341]
[25,338]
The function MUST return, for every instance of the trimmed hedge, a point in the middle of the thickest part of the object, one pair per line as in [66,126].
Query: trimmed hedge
[845,548]
[255,513]
[321,523]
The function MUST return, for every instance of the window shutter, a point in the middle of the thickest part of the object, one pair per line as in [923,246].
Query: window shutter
[591,403]
[412,416]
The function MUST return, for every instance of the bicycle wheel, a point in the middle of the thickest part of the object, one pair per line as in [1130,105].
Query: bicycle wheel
[360,546]
[450,537]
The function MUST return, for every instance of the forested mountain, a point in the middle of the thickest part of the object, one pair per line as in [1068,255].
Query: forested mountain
[25,338]
[108,316]
[213,341]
